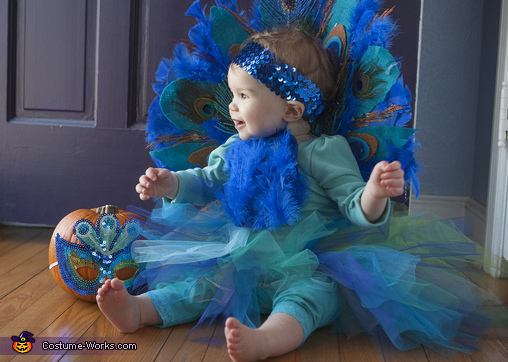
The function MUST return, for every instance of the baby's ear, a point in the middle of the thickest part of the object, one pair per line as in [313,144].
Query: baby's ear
[294,111]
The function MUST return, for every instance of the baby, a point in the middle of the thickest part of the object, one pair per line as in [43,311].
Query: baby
[259,110]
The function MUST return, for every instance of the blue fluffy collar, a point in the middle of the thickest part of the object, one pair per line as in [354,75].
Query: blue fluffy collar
[265,189]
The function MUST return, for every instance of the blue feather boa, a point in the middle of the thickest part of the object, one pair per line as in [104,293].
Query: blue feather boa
[264,189]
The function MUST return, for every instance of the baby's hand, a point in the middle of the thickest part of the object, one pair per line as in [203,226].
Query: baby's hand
[157,182]
[387,179]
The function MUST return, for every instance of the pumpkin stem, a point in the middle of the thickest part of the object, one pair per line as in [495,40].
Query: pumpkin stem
[107,209]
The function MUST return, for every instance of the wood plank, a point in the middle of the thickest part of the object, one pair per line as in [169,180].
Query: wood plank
[148,340]
[392,354]
[20,311]
[13,237]
[179,348]
[288,357]
[73,322]
[321,345]
[7,231]
[22,273]
[498,286]
[20,252]
[358,348]
[218,350]
[491,350]
[35,305]
[36,358]
[216,353]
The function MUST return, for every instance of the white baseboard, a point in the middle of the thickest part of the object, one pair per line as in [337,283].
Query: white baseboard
[454,207]
[444,206]
[25,225]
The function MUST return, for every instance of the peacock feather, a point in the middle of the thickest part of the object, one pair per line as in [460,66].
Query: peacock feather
[371,106]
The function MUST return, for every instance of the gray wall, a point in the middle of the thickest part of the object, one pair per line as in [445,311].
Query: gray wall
[456,96]
[485,114]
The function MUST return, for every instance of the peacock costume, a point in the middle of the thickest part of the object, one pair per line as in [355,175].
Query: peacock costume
[269,225]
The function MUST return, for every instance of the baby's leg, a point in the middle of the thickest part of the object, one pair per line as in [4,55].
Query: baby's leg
[279,334]
[126,312]
[297,311]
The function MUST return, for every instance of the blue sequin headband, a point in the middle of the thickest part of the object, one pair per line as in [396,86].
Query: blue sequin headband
[280,77]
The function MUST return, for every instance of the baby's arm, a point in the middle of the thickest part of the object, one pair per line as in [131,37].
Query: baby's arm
[157,182]
[386,180]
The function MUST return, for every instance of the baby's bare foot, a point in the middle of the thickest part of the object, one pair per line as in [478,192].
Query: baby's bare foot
[243,343]
[118,306]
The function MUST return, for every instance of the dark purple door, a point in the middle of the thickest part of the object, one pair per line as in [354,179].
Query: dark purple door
[75,85]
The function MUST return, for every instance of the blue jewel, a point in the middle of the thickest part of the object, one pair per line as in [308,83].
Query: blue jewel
[108,224]
[83,229]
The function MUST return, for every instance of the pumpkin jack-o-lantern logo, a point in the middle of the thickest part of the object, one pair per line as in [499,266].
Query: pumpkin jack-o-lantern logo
[104,253]
[23,342]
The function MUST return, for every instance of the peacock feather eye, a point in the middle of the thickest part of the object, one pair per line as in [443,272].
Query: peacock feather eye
[204,107]
[195,101]
[363,145]
[366,81]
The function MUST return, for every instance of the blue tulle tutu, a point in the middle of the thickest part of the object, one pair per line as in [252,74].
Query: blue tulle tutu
[414,280]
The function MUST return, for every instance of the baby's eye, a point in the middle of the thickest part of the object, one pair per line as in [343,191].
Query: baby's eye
[243,96]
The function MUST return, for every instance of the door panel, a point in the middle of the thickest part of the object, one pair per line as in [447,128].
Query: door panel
[54,59]
[65,138]
[54,43]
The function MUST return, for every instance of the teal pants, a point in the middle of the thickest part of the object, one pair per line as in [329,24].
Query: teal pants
[313,302]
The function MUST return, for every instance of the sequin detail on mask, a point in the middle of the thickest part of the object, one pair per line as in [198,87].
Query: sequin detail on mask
[105,248]
[279,77]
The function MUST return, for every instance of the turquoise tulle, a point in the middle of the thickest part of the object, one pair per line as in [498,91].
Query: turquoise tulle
[413,280]
[415,285]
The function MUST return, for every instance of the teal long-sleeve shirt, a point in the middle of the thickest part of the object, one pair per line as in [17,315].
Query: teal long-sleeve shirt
[335,183]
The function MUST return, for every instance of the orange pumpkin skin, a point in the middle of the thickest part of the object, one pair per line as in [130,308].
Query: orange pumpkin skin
[65,228]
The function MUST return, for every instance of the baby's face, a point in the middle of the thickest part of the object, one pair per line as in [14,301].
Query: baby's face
[255,109]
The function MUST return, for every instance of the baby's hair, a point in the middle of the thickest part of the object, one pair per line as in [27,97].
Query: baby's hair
[303,52]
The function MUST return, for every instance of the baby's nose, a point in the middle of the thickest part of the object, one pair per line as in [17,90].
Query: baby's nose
[232,107]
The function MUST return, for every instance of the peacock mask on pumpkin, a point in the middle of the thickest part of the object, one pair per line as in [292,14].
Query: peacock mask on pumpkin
[104,253]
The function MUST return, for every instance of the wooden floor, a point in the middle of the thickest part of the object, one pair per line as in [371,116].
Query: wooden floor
[31,301]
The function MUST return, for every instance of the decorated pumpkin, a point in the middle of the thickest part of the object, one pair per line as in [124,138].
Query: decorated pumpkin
[90,246]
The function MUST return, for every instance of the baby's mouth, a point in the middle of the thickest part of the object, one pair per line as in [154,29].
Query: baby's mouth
[238,123]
